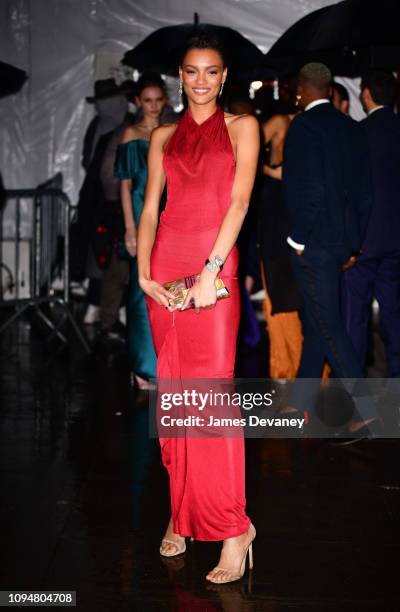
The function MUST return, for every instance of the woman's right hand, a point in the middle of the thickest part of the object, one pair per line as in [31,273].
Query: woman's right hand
[130,242]
[275,173]
[156,291]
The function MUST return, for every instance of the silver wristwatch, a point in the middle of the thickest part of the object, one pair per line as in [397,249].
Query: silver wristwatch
[213,265]
[210,265]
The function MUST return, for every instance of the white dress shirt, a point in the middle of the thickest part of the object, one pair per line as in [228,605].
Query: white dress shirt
[289,240]
[316,102]
[375,109]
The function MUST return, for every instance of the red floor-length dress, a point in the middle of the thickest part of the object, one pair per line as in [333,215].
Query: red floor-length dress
[206,474]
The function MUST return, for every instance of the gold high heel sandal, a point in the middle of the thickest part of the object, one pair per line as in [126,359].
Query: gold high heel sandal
[236,576]
[180,548]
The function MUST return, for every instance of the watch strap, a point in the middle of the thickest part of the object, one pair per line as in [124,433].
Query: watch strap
[219,262]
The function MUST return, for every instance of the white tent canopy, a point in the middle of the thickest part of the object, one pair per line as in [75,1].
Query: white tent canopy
[64,46]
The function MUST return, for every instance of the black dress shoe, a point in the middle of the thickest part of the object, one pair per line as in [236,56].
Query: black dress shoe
[116,333]
[293,414]
[367,432]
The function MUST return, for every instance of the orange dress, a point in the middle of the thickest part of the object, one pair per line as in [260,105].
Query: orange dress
[207,481]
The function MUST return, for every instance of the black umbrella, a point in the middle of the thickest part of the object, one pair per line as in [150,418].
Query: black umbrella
[161,50]
[11,79]
[350,37]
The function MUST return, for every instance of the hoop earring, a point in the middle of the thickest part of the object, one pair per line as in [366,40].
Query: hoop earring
[180,90]
[222,88]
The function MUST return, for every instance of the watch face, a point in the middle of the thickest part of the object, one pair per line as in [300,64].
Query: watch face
[211,266]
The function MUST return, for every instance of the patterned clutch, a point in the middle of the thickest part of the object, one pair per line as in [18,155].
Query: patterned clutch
[181,286]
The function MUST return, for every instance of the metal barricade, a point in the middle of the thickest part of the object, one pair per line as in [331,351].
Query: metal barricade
[34,253]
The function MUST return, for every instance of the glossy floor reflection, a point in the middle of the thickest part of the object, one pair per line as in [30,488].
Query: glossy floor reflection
[85,501]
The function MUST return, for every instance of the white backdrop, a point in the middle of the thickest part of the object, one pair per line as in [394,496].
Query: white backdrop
[65,44]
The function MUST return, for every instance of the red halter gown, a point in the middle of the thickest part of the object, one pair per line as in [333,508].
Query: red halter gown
[207,483]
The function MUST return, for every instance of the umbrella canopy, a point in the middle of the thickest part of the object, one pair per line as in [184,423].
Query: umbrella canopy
[350,37]
[11,79]
[161,51]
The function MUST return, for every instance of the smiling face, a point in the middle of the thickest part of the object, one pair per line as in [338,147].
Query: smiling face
[152,101]
[202,73]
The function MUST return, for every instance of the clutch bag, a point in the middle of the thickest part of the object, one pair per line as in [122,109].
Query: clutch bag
[181,286]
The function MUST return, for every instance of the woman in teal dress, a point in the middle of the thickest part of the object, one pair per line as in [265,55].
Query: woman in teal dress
[131,169]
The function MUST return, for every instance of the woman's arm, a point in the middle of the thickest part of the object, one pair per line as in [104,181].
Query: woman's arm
[246,134]
[270,131]
[128,134]
[149,217]
[247,149]
[130,228]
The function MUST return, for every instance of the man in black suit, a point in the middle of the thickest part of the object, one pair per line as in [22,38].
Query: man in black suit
[327,191]
[377,272]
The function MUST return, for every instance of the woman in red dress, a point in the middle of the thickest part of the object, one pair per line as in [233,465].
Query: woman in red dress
[209,162]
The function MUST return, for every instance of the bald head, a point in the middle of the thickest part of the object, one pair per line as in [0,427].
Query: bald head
[314,82]
[316,75]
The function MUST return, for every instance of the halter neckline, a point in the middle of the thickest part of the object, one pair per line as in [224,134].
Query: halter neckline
[214,114]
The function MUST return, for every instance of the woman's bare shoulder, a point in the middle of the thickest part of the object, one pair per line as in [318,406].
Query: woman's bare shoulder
[274,125]
[240,119]
[161,135]
[279,119]
[131,132]
[242,124]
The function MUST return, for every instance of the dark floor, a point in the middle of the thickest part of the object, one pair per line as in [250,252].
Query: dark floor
[85,501]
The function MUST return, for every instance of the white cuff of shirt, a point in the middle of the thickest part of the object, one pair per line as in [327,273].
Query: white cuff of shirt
[294,244]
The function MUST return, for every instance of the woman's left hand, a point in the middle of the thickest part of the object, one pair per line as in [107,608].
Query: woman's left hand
[203,293]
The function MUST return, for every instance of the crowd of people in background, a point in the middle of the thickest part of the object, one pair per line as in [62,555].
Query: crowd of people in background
[111,200]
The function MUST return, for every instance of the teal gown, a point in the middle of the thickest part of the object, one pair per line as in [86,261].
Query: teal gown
[131,163]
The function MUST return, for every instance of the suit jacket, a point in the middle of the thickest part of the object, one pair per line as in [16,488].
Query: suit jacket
[87,151]
[90,203]
[327,181]
[383,133]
